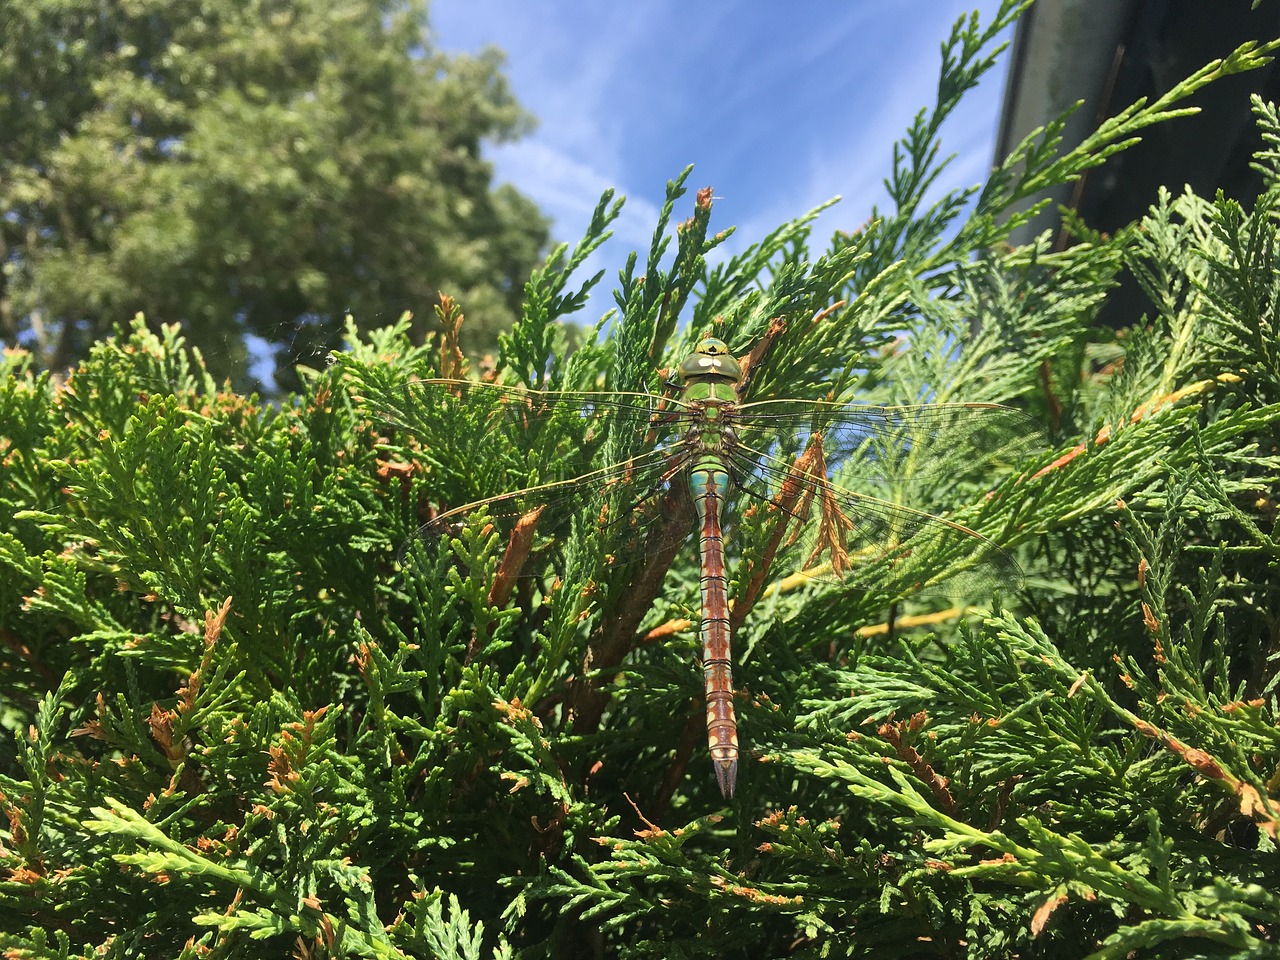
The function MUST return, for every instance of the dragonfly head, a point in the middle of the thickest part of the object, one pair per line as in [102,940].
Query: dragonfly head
[711,359]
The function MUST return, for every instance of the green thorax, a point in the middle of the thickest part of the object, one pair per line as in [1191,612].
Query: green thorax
[711,373]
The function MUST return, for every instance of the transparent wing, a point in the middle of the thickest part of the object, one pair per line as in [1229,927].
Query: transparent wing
[622,496]
[813,526]
[611,460]
[835,479]
[414,404]
[559,434]
[905,448]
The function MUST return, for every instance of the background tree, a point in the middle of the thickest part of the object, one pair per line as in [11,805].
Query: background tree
[257,167]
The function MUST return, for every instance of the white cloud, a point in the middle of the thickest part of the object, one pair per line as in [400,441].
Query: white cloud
[567,189]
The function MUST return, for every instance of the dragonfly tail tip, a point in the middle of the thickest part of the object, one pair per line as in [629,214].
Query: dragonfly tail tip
[727,775]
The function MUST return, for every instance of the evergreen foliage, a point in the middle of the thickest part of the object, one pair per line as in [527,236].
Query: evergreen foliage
[250,713]
[250,168]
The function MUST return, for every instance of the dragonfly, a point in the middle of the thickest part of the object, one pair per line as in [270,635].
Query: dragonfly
[703,443]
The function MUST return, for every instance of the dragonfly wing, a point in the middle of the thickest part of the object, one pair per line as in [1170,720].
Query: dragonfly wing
[825,531]
[561,433]
[414,404]
[929,447]
[620,496]
[505,436]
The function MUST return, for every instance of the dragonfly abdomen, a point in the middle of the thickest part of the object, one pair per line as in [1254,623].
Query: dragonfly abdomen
[709,483]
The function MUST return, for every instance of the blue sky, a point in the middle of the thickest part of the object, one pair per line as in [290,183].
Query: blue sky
[779,106]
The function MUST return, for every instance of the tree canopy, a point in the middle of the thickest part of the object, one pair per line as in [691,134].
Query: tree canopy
[253,168]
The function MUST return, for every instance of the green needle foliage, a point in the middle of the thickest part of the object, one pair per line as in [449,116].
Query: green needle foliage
[249,711]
